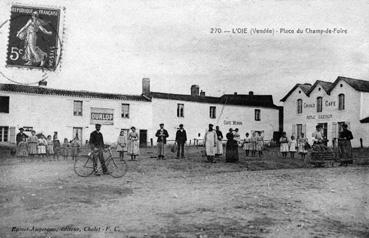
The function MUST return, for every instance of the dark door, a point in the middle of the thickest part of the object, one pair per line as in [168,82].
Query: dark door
[143,138]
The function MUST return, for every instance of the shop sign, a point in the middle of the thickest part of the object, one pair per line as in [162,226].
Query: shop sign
[330,103]
[235,123]
[103,116]
[322,116]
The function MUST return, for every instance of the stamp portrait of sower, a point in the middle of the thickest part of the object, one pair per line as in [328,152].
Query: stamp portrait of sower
[33,37]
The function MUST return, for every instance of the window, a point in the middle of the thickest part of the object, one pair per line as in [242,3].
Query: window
[4,131]
[341,102]
[257,114]
[4,104]
[180,110]
[299,106]
[125,110]
[77,108]
[213,112]
[319,104]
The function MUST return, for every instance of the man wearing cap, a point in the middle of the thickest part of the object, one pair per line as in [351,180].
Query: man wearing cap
[162,135]
[97,146]
[21,136]
[181,138]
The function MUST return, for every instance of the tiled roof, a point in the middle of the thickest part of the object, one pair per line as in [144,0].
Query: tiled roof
[357,84]
[325,85]
[61,92]
[228,99]
[304,87]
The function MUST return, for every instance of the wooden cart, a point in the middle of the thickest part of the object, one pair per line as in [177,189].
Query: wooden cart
[322,158]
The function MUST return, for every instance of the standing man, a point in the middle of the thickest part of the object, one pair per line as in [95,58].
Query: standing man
[210,141]
[344,143]
[162,135]
[181,138]
[219,151]
[97,146]
[21,136]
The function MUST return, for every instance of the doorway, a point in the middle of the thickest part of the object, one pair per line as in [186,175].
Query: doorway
[143,138]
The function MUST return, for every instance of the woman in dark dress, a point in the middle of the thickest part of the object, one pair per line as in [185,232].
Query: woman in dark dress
[231,148]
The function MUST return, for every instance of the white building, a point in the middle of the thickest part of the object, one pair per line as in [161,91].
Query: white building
[76,112]
[346,100]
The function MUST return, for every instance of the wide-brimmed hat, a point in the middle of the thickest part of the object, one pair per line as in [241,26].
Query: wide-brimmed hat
[21,129]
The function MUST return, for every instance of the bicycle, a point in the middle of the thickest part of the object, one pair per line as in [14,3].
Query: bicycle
[83,165]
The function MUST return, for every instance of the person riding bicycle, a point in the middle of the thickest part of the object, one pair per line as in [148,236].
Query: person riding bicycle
[97,147]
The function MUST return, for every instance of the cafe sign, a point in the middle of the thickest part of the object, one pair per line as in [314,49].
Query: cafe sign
[322,116]
[235,123]
[103,116]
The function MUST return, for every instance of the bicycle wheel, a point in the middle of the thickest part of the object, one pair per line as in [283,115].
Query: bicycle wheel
[83,166]
[117,167]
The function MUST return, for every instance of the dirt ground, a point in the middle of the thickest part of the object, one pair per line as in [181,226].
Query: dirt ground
[184,198]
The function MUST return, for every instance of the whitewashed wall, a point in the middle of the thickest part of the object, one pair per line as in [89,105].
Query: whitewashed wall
[49,113]
[330,113]
[197,117]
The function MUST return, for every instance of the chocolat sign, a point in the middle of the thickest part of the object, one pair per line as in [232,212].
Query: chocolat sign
[103,116]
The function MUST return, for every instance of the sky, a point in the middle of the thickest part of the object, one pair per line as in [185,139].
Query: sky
[109,46]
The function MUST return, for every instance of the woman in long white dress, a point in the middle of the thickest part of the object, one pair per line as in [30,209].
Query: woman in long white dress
[32,53]
[133,148]
[210,141]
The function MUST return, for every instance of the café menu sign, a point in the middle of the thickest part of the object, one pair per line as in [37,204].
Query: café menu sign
[103,116]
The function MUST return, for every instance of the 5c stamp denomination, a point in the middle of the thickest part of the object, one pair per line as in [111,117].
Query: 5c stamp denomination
[34,37]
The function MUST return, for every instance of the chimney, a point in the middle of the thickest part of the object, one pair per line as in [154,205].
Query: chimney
[146,86]
[195,90]
[202,93]
[251,93]
[235,93]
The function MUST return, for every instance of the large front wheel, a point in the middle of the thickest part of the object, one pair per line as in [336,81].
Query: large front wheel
[117,167]
[83,166]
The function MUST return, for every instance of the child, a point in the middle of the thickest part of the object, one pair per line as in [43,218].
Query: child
[259,143]
[302,146]
[246,144]
[284,145]
[65,149]
[50,146]
[22,148]
[253,141]
[32,144]
[41,148]
[293,145]
[75,148]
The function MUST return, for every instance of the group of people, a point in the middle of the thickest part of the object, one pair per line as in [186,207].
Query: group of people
[319,143]
[45,146]
[293,145]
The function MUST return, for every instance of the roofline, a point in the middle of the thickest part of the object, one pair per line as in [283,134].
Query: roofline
[213,98]
[331,87]
[316,84]
[78,93]
[291,91]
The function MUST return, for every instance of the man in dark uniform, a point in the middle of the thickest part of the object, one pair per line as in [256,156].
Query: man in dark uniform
[344,144]
[162,135]
[181,138]
[97,146]
[21,136]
